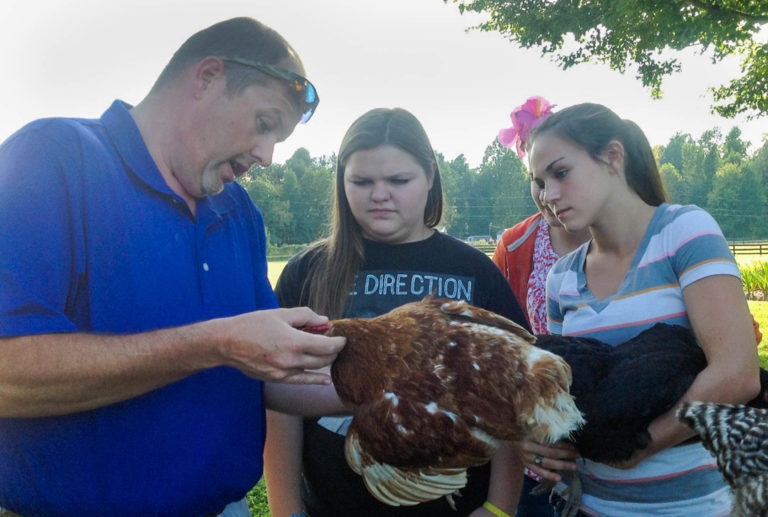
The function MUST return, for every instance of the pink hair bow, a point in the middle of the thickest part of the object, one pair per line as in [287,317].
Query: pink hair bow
[525,118]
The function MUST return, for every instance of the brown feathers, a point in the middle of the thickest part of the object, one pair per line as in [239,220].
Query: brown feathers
[434,385]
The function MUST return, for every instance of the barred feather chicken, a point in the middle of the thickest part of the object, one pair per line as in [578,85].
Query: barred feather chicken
[435,385]
[737,436]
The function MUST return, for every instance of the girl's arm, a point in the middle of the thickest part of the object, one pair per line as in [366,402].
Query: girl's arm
[722,324]
[282,463]
[506,481]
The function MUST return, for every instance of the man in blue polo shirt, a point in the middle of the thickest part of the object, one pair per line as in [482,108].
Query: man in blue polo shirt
[137,324]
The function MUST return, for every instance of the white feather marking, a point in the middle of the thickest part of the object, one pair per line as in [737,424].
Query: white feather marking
[392,397]
[476,366]
[432,408]
[562,418]
[480,328]
[535,354]
[485,438]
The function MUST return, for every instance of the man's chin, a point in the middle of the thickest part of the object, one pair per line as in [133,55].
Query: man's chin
[213,191]
[210,187]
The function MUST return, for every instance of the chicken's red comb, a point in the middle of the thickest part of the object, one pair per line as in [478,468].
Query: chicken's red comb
[317,329]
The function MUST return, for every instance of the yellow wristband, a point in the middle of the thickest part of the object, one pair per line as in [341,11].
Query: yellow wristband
[495,510]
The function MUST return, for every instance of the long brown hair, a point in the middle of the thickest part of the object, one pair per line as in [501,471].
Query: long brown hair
[341,253]
[593,126]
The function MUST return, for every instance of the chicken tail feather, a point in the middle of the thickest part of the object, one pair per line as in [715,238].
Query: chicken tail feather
[397,487]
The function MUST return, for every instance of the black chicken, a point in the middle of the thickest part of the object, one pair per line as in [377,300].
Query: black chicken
[622,389]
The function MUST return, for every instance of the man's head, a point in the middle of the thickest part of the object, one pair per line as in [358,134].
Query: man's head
[238,89]
[252,52]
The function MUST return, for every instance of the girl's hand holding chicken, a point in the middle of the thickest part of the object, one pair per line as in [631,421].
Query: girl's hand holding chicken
[548,460]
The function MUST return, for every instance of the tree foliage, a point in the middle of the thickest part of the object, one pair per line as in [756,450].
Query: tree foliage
[294,198]
[718,175]
[715,172]
[635,33]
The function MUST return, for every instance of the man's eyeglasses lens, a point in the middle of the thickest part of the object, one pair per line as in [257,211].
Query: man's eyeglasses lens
[298,85]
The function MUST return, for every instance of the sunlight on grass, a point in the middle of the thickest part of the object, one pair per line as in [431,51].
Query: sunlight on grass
[760,311]
[274,268]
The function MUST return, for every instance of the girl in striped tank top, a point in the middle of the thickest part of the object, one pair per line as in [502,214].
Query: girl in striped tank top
[648,261]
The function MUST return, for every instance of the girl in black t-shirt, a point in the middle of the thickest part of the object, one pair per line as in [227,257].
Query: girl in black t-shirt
[383,251]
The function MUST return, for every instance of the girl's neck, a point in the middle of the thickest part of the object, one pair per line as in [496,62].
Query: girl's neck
[622,230]
[564,242]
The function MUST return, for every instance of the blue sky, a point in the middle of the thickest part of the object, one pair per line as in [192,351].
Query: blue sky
[73,57]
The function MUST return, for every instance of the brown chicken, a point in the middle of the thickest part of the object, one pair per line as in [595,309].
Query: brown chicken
[435,385]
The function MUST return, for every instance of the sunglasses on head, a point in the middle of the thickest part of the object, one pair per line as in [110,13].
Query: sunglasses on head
[298,86]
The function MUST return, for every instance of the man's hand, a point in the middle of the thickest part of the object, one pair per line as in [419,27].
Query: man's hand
[268,345]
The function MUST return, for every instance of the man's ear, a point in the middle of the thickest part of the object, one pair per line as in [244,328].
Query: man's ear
[613,155]
[206,73]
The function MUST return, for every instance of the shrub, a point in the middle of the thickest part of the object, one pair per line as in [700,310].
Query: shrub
[755,279]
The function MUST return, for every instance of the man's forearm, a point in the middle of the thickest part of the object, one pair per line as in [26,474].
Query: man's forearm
[55,374]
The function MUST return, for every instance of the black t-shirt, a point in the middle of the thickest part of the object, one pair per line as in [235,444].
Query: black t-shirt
[390,276]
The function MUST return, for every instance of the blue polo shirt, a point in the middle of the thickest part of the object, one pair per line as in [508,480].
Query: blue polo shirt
[93,240]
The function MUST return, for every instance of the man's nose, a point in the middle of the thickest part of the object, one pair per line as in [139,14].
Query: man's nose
[263,153]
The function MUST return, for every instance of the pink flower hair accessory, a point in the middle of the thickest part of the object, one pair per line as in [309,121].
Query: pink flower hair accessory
[525,118]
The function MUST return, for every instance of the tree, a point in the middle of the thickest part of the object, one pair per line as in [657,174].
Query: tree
[449,180]
[759,163]
[672,153]
[265,192]
[734,148]
[700,163]
[507,186]
[459,192]
[312,211]
[736,202]
[673,183]
[299,162]
[625,33]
